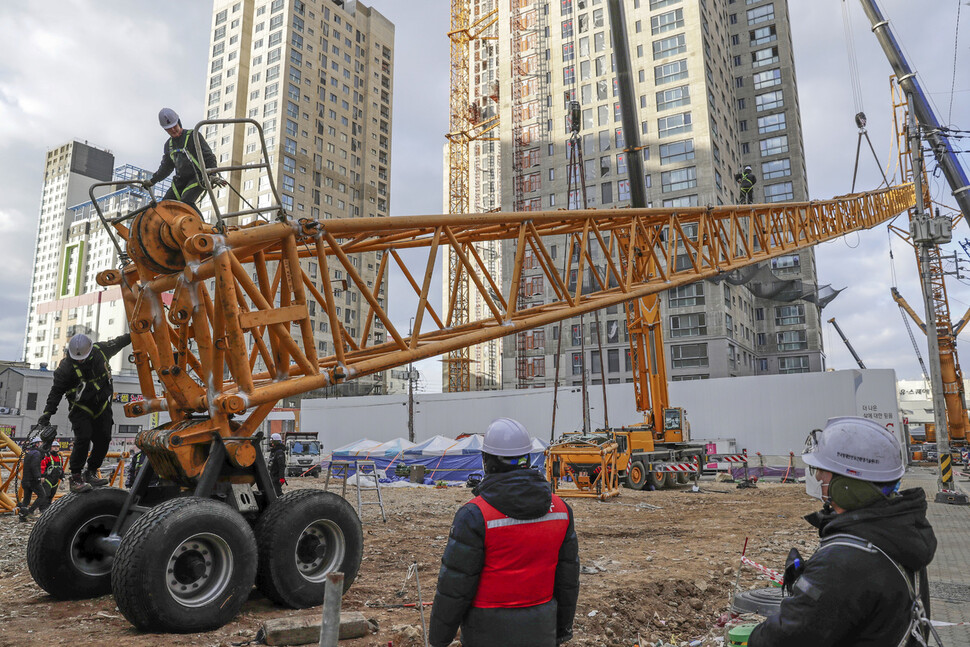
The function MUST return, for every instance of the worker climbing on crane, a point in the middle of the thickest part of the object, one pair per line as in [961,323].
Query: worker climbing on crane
[84,377]
[180,155]
[866,584]
[510,572]
[746,180]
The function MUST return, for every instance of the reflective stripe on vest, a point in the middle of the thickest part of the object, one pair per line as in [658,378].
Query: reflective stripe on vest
[520,556]
[184,148]
[80,377]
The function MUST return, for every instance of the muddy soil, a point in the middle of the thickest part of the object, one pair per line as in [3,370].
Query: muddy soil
[658,564]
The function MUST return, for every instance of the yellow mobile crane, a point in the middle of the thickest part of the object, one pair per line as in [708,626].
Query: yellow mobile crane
[182,555]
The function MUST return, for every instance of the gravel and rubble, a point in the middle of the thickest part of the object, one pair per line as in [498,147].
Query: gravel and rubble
[660,565]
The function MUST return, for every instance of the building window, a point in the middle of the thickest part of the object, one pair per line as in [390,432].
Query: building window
[688,355]
[657,4]
[762,35]
[31,402]
[767,79]
[577,363]
[771,123]
[675,125]
[775,169]
[668,72]
[677,152]
[769,101]
[690,325]
[682,201]
[673,98]
[686,295]
[774,145]
[764,57]
[669,46]
[798,364]
[762,14]
[790,315]
[793,340]
[782,192]
[787,262]
[667,21]
[678,180]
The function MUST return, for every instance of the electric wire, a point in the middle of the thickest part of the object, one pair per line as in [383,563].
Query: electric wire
[956,50]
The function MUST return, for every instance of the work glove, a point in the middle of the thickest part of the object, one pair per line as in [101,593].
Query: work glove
[217,181]
[794,567]
[147,184]
[44,421]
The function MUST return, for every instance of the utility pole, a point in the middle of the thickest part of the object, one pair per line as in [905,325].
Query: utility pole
[927,232]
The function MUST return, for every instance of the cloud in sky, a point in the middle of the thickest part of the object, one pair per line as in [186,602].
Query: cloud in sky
[100,71]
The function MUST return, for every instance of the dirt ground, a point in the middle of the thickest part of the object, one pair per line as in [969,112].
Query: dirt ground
[664,572]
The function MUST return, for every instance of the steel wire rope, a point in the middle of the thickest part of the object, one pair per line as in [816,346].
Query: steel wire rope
[956,43]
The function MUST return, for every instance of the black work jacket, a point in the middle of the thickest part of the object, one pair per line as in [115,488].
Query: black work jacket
[32,465]
[745,180]
[520,494]
[848,597]
[277,462]
[181,156]
[70,376]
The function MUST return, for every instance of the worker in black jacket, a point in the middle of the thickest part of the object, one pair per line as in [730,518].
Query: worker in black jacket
[84,377]
[31,481]
[277,462]
[510,572]
[746,180]
[866,584]
[180,155]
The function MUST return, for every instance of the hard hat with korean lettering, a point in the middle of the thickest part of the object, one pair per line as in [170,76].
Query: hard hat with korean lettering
[855,447]
[167,118]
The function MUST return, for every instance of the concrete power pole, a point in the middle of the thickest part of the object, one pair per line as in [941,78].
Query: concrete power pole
[927,232]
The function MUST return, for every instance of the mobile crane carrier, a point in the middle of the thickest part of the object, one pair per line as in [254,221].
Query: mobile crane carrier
[183,555]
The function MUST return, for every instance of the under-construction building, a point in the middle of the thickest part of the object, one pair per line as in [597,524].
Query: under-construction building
[317,75]
[716,90]
[72,247]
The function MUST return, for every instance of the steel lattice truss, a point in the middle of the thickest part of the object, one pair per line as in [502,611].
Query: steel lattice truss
[203,347]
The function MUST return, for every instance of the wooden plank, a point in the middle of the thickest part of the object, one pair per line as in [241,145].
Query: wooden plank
[286,314]
[305,630]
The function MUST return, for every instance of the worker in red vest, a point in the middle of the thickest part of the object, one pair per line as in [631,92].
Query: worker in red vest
[510,572]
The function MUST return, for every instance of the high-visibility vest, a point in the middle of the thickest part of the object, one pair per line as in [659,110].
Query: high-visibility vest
[520,556]
[182,146]
[101,384]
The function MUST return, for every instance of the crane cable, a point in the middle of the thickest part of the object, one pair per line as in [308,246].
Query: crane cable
[956,43]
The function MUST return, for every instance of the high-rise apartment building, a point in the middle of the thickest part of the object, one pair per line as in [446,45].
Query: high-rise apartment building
[715,90]
[70,249]
[317,76]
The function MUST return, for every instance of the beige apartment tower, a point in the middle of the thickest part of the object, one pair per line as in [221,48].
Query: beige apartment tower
[715,90]
[317,76]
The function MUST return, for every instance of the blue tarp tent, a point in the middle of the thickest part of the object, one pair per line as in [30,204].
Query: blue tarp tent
[444,459]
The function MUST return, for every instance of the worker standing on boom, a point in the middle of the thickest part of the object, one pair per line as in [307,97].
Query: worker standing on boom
[866,583]
[181,156]
[746,180]
[510,572]
[84,376]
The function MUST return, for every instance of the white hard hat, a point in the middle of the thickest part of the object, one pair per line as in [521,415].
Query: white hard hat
[56,444]
[276,437]
[79,347]
[167,118]
[856,447]
[506,437]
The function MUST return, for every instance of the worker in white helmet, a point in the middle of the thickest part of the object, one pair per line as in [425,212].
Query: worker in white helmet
[510,572]
[84,377]
[277,462]
[746,180]
[866,583]
[180,155]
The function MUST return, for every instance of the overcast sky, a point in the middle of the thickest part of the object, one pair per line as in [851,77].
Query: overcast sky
[98,71]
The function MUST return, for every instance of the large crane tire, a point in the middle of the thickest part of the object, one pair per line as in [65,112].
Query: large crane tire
[302,537]
[186,566]
[683,478]
[61,554]
[636,476]
[670,479]
[656,479]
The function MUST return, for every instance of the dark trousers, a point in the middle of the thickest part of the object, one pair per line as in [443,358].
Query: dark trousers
[43,498]
[747,196]
[188,196]
[92,434]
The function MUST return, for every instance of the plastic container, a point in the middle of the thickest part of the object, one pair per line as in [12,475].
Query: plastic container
[738,636]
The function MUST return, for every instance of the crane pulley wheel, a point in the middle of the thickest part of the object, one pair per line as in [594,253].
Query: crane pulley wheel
[156,235]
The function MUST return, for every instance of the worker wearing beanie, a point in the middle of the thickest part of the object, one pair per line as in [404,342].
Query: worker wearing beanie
[277,462]
[510,572]
[866,584]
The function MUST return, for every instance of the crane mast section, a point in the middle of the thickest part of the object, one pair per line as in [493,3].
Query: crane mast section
[241,321]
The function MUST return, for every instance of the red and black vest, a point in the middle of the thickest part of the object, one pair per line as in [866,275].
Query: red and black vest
[520,556]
